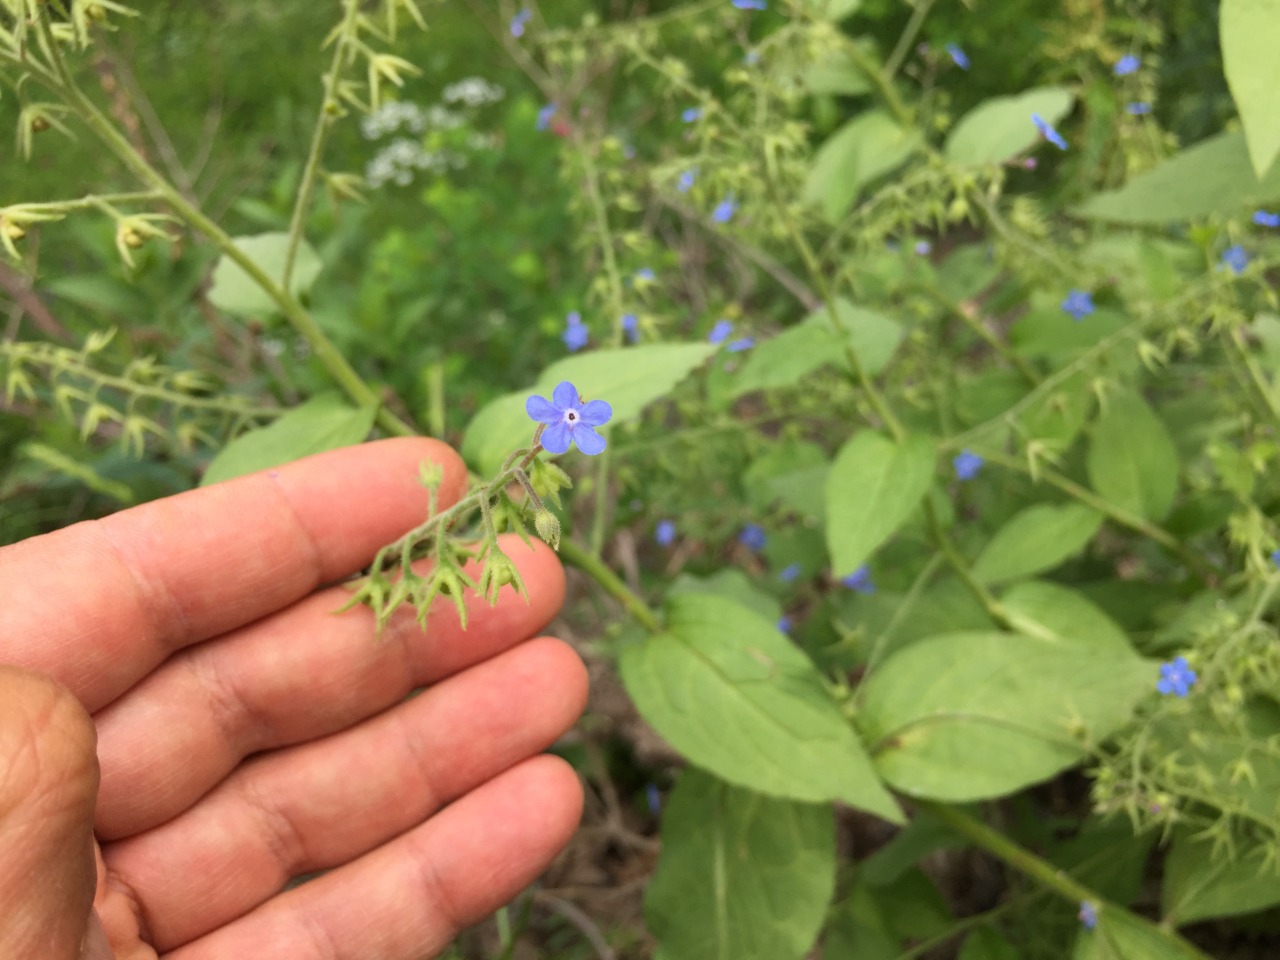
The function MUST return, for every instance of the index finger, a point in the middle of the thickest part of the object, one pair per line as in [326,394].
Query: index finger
[99,604]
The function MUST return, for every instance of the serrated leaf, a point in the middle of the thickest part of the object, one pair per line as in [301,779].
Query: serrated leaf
[731,693]
[868,146]
[323,423]
[1132,459]
[1250,32]
[741,876]
[1000,128]
[1036,539]
[237,293]
[874,485]
[969,716]
[629,379]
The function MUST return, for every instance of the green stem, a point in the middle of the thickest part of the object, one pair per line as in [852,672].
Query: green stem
[601,503]
[600,216]
[977,326]
[882,81]
[995,610]
[1236,349]
[609,581]
[908,38]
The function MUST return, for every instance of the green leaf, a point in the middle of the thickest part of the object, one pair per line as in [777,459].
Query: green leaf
[323,423]
[1212,178]
[236,292]
[1132,460]
[1059,614]
[629,379]
[729,691]
[1121,935]
[784,360]
[1048,331]
[792,473]
[867,147]
[875,921]
[1036,539]
[1201,883]
[1000,128]
[873,487]
[969,716]
[741,876]
[837,76]
[733,585]
[1250,32]
[834,9]
[985,944]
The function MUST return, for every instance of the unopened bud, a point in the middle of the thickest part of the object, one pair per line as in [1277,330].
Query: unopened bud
[12,230]
[96,12]
[131,238]
[39,124]
[548,527]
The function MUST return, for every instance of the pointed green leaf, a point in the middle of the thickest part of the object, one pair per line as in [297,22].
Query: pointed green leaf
[867,147]
[1132,459]
[1250,32]
[236,292]
[1001,128]
[1201,883]
[1036,539]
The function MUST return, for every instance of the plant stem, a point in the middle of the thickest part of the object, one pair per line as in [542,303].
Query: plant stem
[909,33]
[609,581]
[604,237]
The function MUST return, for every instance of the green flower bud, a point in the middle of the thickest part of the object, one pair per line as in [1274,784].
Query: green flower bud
[548,527]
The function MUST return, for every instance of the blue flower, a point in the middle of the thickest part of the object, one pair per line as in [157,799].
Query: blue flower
[664,534]
[1275,557]
[860,580]
[568,419]
[751,57]
[923,248]
[1048,132]
[720,332]
[575,334]
[654,798]
[1088,915]
[1126,65]
[753,537]
[958,56]
[742,343]
[967,464]
[725,209]
[784,624]
[686,180]
[1139,108]
[1264,219]
[1235,259]
[751,4]
[646,274]
[1176,677]
[545,115]
[789,573]
[519,20]
[1078,303]
[629,326]
[691,114]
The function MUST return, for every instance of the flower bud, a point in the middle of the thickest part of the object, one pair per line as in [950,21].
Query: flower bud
[12,230]
[548,527]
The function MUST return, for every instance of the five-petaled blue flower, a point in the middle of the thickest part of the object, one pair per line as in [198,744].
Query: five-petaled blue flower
[1048,132]
[575,334]
[923,248]
[545,115]
[720,332]
[1078,303]
[860,580]
[664,534]
[691,114]
[967,464]
[1176,677]
[519,20]
[784,624]
[789,572]
[1139,108]
[646,274]
[1235,259]
[568,420]
[1126,65]
[752,537]
[742,343]
[686,180]
[1088,915]
[725,209]
[958,56]
[1264,219]
[630,326]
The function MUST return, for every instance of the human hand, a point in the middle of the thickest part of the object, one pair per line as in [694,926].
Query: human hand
[247,735]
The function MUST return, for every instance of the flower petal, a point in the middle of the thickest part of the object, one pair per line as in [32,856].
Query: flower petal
[588,441]
[555,439]
[565,396]
[541,410]
[595,412]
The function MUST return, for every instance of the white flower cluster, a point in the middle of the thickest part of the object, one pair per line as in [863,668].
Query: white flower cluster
[391,117]
[400,159]
[473,92]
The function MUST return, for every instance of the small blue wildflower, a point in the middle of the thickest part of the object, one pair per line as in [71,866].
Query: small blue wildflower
[1048,132]
[789,572]
[753,537]
[575,334]
[958,56]
[628,151]
[742,343]
[545,115]
[1078,303]
[860,580]
[630,327]
[1176,677]
[967,464]
[1235,259]
[519,20]
[1088,915]
[664,534]
[653,797]
[690,114]
[923,248]
[751,4]
[724,210]
[1275,557]
[568,420]
[1126,65]
[784,624]
[1139,108]
[751,57]
[1264,219]
[720,332]
[685,183]
[646,274]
